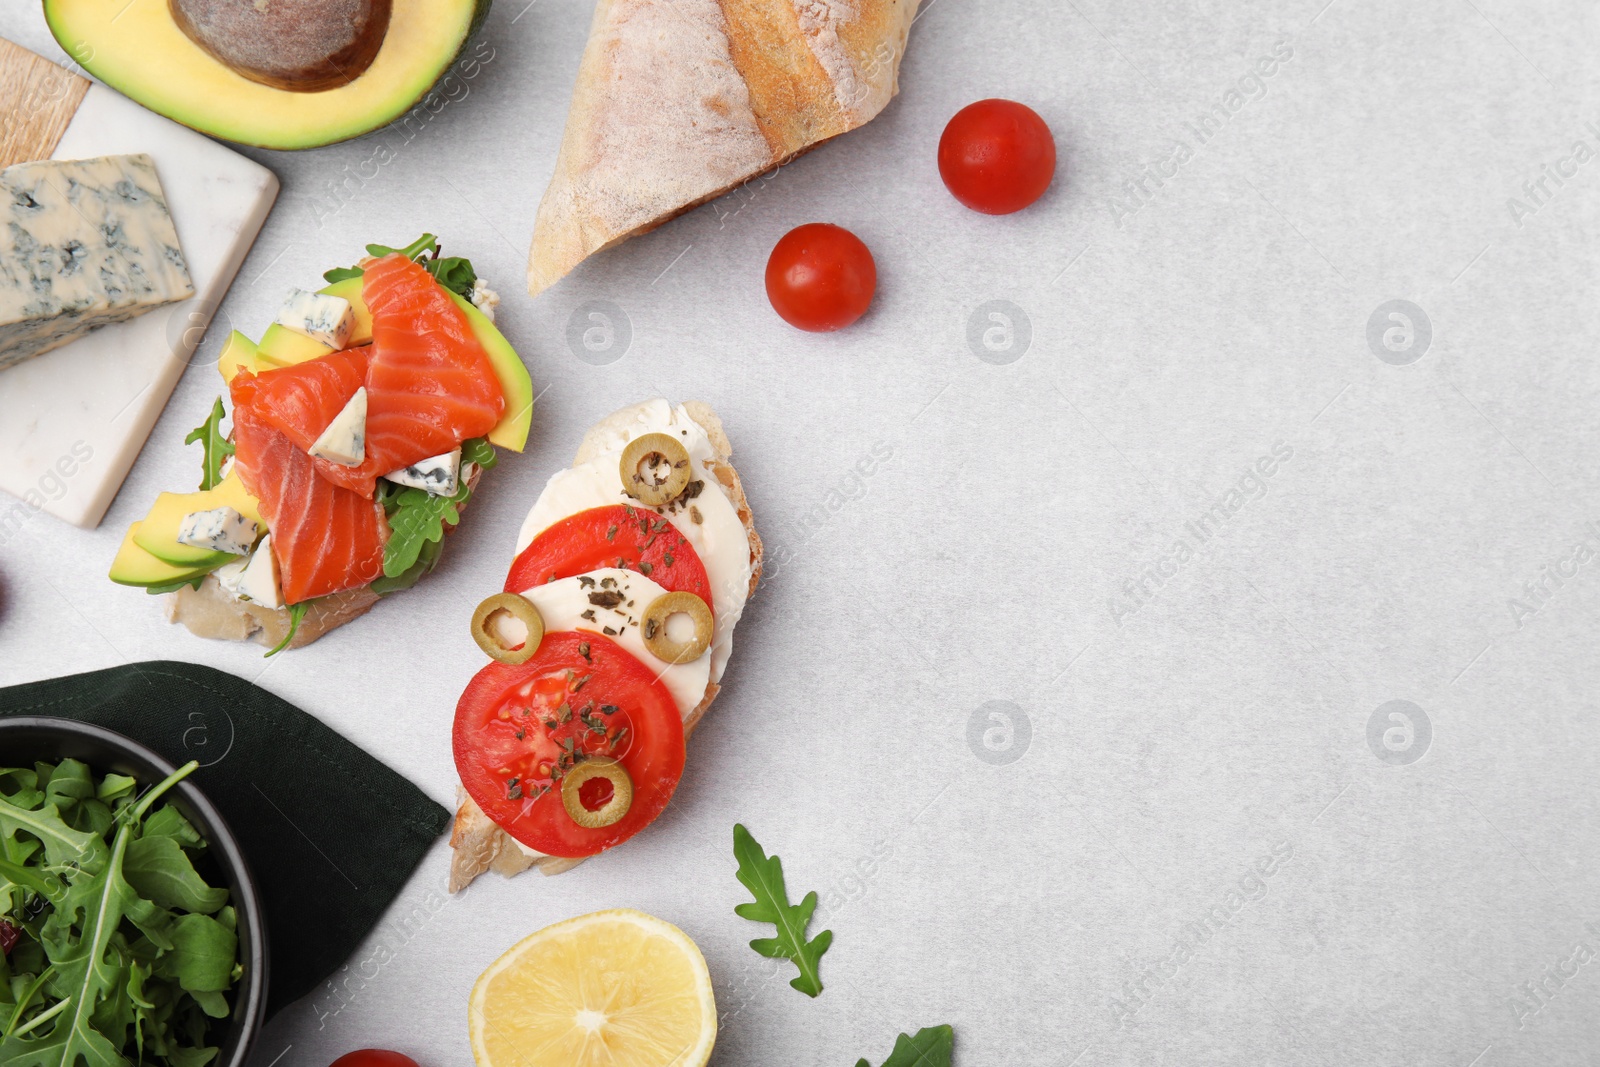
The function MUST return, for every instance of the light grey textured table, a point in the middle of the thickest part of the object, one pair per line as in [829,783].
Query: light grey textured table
[1192,832]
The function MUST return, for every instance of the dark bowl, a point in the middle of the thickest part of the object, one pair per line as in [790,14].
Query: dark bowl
[24,740]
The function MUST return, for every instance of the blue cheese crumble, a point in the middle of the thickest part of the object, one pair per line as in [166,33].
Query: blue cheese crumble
[220,530]
[325,318]
[439,475]
[345,440]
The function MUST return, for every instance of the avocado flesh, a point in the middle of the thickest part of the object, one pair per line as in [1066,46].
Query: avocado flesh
[158,534]
[512,429]
[139,49]
[238,353]
[136,566]
[283,347]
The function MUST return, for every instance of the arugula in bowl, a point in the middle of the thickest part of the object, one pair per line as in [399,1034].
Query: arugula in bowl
[116,950]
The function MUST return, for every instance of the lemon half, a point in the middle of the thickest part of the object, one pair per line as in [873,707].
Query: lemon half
[613,989]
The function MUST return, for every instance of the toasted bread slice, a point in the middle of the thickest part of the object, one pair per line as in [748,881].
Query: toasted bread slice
[482,846]
[676,103]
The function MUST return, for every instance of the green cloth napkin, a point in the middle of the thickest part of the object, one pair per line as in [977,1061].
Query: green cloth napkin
[331,834]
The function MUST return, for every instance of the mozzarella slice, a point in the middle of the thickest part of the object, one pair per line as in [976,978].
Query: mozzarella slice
[570,604]
[719,537]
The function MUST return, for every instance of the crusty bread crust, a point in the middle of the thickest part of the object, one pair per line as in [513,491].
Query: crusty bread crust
[678,103]
[213,612]
[482,846]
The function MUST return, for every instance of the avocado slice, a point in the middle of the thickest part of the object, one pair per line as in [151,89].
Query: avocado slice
[238,353]
[282,347]
[350,289]
[158,533]
[141,50]
[512,429]
[135,566]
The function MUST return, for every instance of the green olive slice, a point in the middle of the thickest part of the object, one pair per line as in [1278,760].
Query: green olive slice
[486,622]
[609,812]
[653,627]
[655,469]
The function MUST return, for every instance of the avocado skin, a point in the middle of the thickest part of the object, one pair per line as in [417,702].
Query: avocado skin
[170,68]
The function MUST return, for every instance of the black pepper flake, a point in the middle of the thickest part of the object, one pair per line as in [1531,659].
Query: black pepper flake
[583,650]
[694,515]
[611,534]
[645,568]
[608,631]
[666,557]
[606,598]
[585,582]
[650,627]
[581,682]
[588,613]
[608,709]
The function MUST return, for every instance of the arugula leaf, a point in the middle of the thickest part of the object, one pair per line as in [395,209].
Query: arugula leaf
[764,878]
[928,1047]
[453,272]
[206,951]
[160,870]
[173,587]
[296,613]
[214,442]
[339,274]
[478,450]
[419,517]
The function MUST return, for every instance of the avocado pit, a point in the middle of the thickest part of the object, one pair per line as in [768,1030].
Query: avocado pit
[304,46]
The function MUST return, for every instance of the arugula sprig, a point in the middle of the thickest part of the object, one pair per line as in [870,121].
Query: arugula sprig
[122,951]
[455,273]
[417,520]
[214,444]
[763,876]
[928,1047]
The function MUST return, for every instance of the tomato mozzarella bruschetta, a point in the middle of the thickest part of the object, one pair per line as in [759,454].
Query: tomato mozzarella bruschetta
[608,642]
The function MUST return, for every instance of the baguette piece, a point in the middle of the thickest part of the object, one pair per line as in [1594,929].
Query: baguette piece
[678,102]
[479,845]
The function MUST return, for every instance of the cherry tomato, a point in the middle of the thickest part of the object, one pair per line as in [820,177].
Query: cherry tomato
[618,536]
[373,1057]
[519,729]
[997,156]
[820,277]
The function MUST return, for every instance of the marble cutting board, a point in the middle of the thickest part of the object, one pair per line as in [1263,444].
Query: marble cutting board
[72,421]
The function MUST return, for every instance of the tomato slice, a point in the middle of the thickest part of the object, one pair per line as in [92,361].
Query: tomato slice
[617,536]
[518,729]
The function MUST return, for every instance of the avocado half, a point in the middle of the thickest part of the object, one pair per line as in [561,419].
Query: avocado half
[140,49]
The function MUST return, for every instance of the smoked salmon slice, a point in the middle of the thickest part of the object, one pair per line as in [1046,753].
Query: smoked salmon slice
[301,400]
[430,384]
[326,538]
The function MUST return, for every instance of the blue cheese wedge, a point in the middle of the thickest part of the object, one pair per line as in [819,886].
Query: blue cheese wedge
[220,530]
[258,582]
[83,243]
[345,440]
[439,475]
[328,319]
